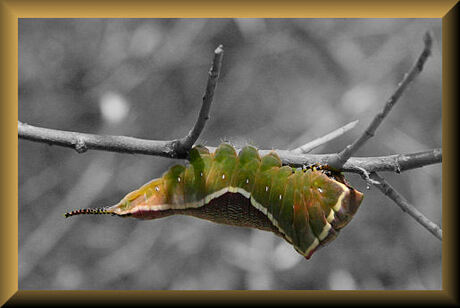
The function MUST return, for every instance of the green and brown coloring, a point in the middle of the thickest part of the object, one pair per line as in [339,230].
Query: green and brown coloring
[307,207]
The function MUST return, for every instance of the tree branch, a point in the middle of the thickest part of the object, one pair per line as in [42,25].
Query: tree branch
[177,148]
[186,143]
[340,158]
[82,142]
[391,193]
[396,163]
[324,139]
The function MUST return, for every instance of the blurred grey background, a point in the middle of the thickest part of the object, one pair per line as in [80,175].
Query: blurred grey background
[284,82]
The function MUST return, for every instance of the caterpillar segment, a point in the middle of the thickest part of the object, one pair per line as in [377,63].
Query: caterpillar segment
[307,207]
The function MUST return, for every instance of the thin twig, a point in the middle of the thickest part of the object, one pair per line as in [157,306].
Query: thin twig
[366,176]
[391,193]
[340,159]
[186,143]
[396,163]
[306,148]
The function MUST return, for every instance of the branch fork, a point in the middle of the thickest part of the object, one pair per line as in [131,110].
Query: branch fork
[338,161]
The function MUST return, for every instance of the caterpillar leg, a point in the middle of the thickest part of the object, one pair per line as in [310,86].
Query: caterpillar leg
[325,169]
[316,167]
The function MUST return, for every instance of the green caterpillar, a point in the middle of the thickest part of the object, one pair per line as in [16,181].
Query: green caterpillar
[307,207]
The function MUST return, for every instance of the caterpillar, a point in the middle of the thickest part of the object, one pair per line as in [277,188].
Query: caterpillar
[307,207]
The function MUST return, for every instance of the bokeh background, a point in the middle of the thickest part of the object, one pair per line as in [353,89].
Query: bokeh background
[284,82]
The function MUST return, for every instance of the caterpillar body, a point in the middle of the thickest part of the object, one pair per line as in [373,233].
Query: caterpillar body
[307,207]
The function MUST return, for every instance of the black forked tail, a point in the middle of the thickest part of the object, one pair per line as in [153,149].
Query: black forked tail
[94,211]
